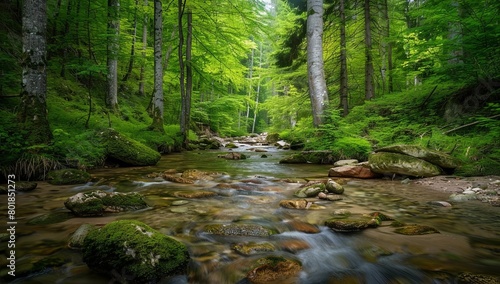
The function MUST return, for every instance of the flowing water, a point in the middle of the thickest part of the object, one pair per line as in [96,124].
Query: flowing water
[469,238]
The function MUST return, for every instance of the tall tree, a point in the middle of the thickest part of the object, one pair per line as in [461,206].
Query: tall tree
[344,103]
[369,83]
[144,46]
[113,48]
[157,102]
[317,84]
[186,101]
[33,111]
[132,47]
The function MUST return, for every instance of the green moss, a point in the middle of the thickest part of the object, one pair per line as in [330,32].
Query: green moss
[127,150]
[130,200]
[51,218]
[47,263]
[134,250]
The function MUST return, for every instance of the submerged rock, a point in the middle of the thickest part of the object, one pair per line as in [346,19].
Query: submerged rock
[251,248]
[416,230]
[393,163]
[67,176]
[234,229]
[353,224]
[297,204]
[134,252]
[274,269]
[95,203]
[127,150]
[78,237]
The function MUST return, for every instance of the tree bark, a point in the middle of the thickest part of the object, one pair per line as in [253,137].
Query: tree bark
[33,111]
[180,12]
[317,84]
[344,95]
[157,105]
[369,84]
[113,45]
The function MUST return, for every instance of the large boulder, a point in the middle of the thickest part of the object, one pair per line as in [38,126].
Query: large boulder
[67,176]
[393,163]
[133,252]
[95,203]
[440,159]
[127,150]
[351,171]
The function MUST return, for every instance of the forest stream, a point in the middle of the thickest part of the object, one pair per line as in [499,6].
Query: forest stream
[468,240]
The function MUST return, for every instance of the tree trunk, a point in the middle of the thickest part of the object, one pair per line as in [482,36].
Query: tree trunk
[344,102]
[182,85]
[369,84]
[157,104]
[186,105]
[33,111]
[250,87]
[132,48]
[113,43]
[144,46]
[257,95]
[317,84]
[389,48]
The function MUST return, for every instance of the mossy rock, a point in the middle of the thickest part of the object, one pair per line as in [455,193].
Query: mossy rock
[440,159]
[416,230]
[238,230]
[393,163]
[272,138]
[310,191]
[127,150]
[51,218]
[78,237]
[352,224]
[251,248]
[95,203]
[135,252]
[68,176]
[231,146]
[294,159]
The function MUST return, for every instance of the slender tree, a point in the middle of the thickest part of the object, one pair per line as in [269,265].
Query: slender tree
[186,102]
[144,46]
[132,47]
[113,48]
[33,111]
[369,83]
[344,103]
[157,103]
[317,84]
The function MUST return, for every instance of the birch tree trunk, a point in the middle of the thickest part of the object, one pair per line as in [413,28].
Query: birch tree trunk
[344,102]
[369,84]
[157,104]
[33,111]
[113,44]
[317,84]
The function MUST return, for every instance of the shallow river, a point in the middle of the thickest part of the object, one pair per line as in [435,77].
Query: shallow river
[469,238]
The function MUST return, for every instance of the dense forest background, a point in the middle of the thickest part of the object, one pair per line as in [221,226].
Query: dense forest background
[165,73]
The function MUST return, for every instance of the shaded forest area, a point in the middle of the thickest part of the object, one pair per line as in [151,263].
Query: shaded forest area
[164,73]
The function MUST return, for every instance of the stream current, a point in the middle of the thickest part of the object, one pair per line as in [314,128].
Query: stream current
[469,238]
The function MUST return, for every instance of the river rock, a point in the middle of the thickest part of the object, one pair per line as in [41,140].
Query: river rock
[134,252]
[127,150]
[460,197]
[294,245]
[195,174]
[193,194]
[95,203]
[237,229]
[274,269]
[67,176]
[416,230]
[295,204]
[303,227]
[177,179]
[77,238]
[233,156]
[252,248]
[393,163]
[352,171]
[440,159]
[329,197]
[25,186]
[310,191]
[352,224]
[333,187]
[350,162]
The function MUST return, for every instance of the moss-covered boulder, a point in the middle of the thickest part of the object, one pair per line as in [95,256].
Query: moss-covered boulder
[309,157]
[310,191]
[134,252]
[333,187]
[393,163]
[127,150]
[67,176]
[95,203]
[440,159]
